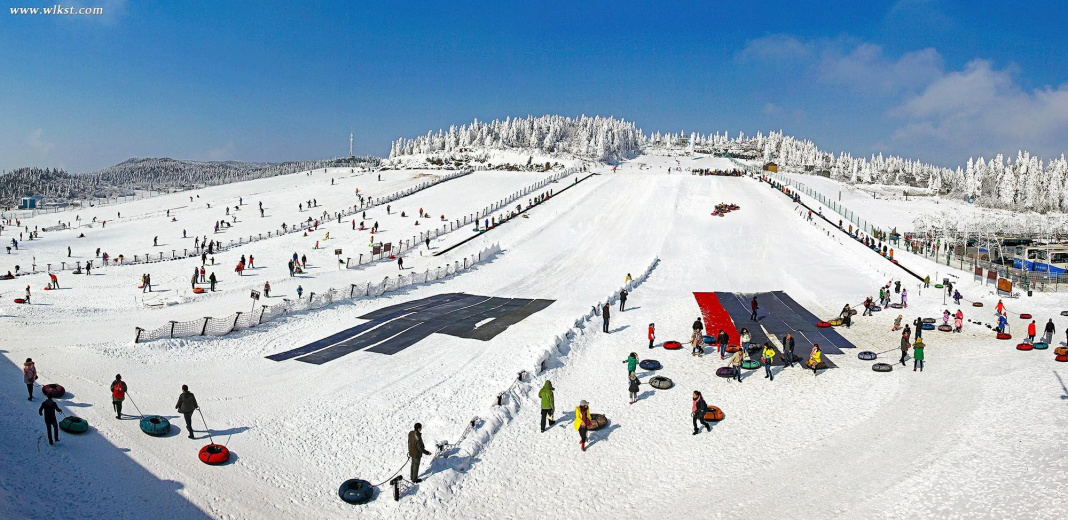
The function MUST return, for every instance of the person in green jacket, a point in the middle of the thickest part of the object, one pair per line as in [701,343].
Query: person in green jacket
[632,364]
[548,404]
[917,355]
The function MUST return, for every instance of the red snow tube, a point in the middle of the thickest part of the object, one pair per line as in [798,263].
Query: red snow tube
[20,300]
[1063,358]
[672,345]
[731,349]
[1003,335]
[1025,316]
[894,261]
[823,324]
[54,391]
[714,414]
[214,454]
[1025,346]
[198,290]
[47,288]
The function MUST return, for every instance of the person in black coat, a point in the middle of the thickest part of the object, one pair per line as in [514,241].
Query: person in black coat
[699,409]
[622,299]
[698,326]
[48,409]
[606,312]
[919,327]
[788,350]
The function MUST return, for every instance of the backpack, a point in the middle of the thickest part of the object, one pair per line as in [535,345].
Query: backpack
[116,390]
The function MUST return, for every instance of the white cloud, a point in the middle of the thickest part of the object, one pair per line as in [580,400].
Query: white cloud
[982,108]
[222,153]
[771,109]
[776,47]
[37,142]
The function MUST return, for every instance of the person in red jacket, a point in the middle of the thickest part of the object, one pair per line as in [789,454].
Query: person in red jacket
[652,334]
[118,395]
[1031,332]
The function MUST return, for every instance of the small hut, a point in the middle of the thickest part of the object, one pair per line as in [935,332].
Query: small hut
[771,167]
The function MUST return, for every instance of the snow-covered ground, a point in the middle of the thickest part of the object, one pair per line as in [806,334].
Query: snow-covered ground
[974,435]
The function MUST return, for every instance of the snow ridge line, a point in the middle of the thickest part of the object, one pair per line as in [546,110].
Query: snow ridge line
[460,456]
[300,227]
[240,320]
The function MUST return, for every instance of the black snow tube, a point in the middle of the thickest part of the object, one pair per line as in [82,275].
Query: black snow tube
[895,305]
[945,328]
[928,320]
[882,367]
[1064,313]
[661,382]
[928,326]
[672,345]
[599,421]
[867,355]
[356,491]
[725,372]
[650,364]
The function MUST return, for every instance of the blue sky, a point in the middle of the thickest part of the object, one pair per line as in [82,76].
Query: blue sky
[271,81]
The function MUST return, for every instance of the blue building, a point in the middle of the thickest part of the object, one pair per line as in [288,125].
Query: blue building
[32,202]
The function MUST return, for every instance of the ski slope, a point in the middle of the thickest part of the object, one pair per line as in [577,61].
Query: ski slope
[848,443]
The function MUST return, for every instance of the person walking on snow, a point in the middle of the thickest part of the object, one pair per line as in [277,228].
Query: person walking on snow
[267,289]
[767,356]
[1003,323]
[745,337]
[755,306]
[212,280]
[622,299]
[55,281]
[187,404]
[956,297]
[904,298]
[696,347]
[27,295]
[583,422]
[400,263]
[29,375]
[735,362]
[300,291]
[919,326]
[652,334]
[904,345]
[606,314]
[722,338]
[1047,338]
[633,388]
[945,317]
[632,363]
[867,306]
[118,395]
[48,409]
[1031,332]
[697,411]
[917,355]
[1000,309]
[958,321]
[416,450]
[548,404]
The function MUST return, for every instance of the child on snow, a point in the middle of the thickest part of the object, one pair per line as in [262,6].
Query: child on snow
[652,334]
[632,364]
[897,323]
[633,388]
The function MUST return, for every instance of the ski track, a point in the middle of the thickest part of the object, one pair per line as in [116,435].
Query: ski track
[974,436]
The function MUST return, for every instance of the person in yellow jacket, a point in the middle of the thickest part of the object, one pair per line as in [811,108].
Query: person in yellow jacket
[583,422]
[815,358]
[767,356]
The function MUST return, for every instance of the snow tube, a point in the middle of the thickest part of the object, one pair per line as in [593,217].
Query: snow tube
[20,300]
[1003,335]
[875,308]
[214,454]
[725,372]
[650,364]
[822,324]
[928,326]
[198,290]
[1041,345]
[894,261]
[852,312]
[356,491]
[599,421]
[1025,316]
[672,345]
[835,322]
[928,320]
[895,305]
[750,364]
[54,391]
[945,328]
[1061,351]
[1024,346]
[708,340]
[155,425]
[1063,358]
[1064,313]
[882,367]
[731,349]
[47,288]
[977,304]
[939,286]
[72,424]
[714,414]
[661,382]
[867,355]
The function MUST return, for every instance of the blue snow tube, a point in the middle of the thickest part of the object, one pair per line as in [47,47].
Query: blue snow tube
[709,340]
[356,491]
[1041,345]
[875,308]
[928,326]
[155,425]
[650,364]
